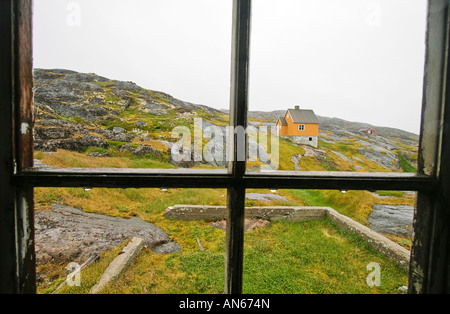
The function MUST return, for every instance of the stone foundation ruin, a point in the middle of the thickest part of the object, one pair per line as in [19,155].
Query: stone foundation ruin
[392,250]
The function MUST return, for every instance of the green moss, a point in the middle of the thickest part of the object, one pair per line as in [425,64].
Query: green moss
[404,164]
[94,149]
[118,144]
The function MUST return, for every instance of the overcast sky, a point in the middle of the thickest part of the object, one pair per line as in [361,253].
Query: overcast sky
[358,60]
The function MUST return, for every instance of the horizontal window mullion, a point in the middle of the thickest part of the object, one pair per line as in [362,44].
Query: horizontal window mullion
[220,178]
[123,182]
[341,181]
[123,178]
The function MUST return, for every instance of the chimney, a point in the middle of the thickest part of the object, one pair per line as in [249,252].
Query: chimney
[297,107]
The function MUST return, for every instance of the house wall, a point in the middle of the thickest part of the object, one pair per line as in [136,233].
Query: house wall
[311,129]
[282,128]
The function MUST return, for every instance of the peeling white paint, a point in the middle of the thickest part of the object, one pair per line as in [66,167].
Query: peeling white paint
[23,232]
[24,127]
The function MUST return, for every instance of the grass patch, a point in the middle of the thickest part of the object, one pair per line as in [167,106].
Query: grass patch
[391,193]
[89,276]
[354,204]
[287,150]
[69,159]
[285,258]
[313,257]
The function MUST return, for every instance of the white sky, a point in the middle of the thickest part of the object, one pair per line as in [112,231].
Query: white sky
[359,60]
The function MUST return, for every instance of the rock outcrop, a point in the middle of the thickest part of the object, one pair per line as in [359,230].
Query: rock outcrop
[67,234]
[75,111]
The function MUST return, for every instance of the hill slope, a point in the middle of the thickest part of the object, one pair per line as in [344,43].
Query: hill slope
[99,117]
[86,120]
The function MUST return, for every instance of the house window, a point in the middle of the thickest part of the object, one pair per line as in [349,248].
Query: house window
[432,208]
[301,127]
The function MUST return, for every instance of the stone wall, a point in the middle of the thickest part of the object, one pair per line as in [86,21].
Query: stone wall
[273,213]
[305,140]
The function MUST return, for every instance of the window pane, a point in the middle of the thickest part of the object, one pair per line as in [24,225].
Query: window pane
[350,71]
[184,252]
[117,83]
[317,241]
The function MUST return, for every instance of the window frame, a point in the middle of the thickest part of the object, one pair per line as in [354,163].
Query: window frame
[301,127]
[430,248]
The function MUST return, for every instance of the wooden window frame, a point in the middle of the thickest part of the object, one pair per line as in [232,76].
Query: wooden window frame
[430,263]
[301,127]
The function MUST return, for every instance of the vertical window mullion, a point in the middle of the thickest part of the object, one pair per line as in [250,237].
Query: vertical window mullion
[234,255]
[22,78]
[237,162]
[430,262]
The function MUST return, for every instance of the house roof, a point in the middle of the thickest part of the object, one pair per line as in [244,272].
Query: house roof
[303,116]
[282,120]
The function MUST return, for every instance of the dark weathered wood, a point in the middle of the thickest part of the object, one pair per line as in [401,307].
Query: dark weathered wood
[26,261]
[434,76]
[439,267]
[220,178]
[17,267]
[239,85]
[234,255]
[23,138]
[23,83]
[122,178]
[430,265]
[340,180]
[237,165]
[8,283]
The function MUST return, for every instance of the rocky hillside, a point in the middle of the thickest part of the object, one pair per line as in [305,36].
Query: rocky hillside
[91,114]
[96,117]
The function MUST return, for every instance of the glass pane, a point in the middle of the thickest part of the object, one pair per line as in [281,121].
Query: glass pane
[123,84]
[338,82]
[183,253]
[327,241]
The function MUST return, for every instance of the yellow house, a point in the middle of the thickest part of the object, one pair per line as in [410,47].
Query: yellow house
[300,124]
